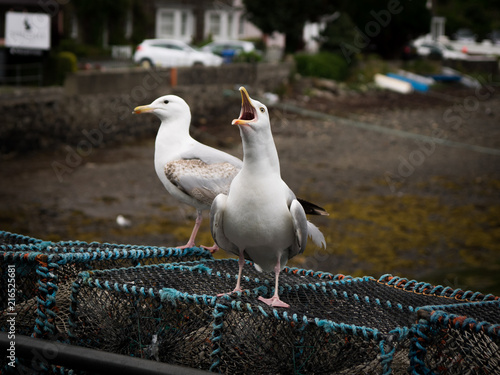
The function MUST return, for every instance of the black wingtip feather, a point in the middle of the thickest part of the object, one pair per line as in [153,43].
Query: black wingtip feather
[312,209]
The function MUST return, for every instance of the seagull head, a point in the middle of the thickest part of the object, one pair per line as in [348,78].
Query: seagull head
[253,113]
[166,107]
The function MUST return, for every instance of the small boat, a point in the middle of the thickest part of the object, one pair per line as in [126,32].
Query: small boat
[393,84]
[416,84]
[447,77]
[416,77]
[465,79]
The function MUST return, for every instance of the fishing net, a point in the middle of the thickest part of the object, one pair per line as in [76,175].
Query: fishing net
[335,324]
[108,297]
[44,271]
[457,339]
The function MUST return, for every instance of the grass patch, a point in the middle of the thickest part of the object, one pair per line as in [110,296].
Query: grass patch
[411,234]
[323,65]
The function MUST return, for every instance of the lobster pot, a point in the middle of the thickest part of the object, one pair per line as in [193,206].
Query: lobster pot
[38,278]
[8,238]
[171,313]
[457,339]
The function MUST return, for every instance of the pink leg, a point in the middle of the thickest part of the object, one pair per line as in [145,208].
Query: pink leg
[241,263]
[197,224]
[212,249]
[275,301]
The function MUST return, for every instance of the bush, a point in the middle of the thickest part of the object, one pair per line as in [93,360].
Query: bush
[323,65]
[62,64]
[423,66]
[66,61]
[81,49]
[367,65]
[70,45]
[249,57]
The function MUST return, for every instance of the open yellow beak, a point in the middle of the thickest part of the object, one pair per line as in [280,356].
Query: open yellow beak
[248,113]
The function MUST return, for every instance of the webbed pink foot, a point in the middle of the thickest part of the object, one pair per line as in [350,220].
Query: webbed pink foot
[186,246]
[274,301]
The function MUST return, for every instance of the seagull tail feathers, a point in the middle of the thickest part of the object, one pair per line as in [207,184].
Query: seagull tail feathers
[316,235]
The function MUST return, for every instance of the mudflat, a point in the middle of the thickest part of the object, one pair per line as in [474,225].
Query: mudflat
[412,184]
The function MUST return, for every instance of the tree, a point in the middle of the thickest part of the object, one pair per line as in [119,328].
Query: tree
[97,15]
[287,17]
[480,16]
[385,26]
[338,31]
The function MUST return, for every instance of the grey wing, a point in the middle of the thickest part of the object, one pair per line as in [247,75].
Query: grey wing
[201,180]
[302,227]
[210,155]
[299,222]
[216,225]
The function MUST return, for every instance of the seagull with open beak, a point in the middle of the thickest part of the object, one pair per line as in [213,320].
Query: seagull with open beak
[260,219]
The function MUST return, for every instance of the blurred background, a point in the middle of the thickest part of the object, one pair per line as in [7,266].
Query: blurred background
[385,113]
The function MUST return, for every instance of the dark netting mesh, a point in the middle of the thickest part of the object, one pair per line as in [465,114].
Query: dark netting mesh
[109,297]
[335,324]
[7,238]
[45,271]
[453,339]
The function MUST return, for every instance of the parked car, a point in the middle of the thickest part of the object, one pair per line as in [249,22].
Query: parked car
[438,50]
[238,46]
[494,37]
[168,53]
[465,35]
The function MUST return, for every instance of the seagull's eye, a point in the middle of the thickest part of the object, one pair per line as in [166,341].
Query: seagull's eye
[165,101]
[262,109]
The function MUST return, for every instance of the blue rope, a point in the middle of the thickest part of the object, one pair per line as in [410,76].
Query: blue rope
[386,357]
[58,254]
[216,338]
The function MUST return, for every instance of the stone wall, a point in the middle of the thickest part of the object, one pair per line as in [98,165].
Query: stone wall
[137,81]
[96,106]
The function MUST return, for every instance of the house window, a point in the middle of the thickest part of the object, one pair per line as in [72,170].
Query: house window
[167,23]
[214,24]
[230,21]
[241,25]
[184,24]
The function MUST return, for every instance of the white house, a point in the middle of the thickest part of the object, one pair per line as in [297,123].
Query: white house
[222,20]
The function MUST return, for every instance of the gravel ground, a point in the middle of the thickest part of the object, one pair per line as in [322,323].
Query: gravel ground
[399,201]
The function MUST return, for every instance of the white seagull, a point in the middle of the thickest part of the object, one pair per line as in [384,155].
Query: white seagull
[192,172]
[260,218]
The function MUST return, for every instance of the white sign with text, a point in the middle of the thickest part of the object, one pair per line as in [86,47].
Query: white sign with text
[27,30]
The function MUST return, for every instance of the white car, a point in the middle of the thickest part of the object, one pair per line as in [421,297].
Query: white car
[169,53]
[238,46]
[438,50]
[465,35]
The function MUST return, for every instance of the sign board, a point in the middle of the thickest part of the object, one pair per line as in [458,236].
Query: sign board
[27,30]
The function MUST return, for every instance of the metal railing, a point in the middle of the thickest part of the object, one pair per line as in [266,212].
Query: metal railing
[21,74]
[38,354]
